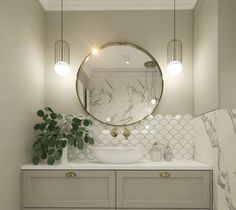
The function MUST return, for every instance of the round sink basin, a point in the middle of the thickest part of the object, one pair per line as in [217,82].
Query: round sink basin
[117,155]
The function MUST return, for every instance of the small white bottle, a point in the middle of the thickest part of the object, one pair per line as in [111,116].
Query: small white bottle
[156,152]
[168,153]
[64,157]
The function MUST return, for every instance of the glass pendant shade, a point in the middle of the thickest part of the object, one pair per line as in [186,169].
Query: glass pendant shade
[174,56]
[62,57]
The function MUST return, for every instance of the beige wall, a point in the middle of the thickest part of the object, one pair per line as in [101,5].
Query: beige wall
[150,29]
[21,90]
[227,53]
[206,85]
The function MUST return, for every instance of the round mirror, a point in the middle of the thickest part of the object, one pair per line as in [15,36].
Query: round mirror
[119,84]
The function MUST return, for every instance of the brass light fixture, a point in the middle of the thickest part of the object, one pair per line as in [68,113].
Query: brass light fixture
[62,51]
[174,51]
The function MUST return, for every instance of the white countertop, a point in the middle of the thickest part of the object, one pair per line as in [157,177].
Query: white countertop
[144,165]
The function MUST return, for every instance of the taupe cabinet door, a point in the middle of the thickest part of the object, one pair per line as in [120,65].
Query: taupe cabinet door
[164,189]
[82,189]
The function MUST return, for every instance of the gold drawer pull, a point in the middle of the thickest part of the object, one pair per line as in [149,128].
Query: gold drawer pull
[165,175]
[70,174]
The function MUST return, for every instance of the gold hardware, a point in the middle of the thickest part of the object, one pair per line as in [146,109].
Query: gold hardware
[165,175]
[70,174]
[114,132]
[126,133]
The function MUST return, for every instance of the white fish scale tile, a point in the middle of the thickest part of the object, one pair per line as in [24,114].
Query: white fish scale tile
[177,131]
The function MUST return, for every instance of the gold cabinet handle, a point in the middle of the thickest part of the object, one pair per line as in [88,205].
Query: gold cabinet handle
[70,174]
[165,175]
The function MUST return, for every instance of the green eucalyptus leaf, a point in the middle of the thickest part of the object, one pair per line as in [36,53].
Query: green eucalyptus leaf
[42,126]
[51,143]
[53,115]
[74,126]
[40,113]
[86,139]
[37,127]
[77,121]
[91,141]
[57,155]
[39,153]
[45,117]
[37,146]
[48,109]
[74,120]
[44,156]
[86,122]
[57,143]
[44,141]
[52,125]
[80,144]
[50,160]
[35,160]
[51,151]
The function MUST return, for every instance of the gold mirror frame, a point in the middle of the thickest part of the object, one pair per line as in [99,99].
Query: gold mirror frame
[120,44]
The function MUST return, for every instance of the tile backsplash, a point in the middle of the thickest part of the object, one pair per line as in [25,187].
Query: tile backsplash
[177,131]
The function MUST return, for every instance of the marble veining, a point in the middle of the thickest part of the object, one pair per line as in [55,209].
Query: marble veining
[232,114]
[213,127]
[121,100]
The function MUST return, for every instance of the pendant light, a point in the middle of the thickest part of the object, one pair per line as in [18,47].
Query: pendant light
[174,52]
[62,51]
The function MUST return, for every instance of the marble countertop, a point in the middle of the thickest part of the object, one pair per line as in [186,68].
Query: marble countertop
[144,165]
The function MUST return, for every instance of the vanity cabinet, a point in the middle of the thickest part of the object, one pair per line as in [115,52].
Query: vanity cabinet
[164,189]
[111,189]
[68,189]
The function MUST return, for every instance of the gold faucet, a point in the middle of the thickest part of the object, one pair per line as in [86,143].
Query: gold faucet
[114,132]
[126,133]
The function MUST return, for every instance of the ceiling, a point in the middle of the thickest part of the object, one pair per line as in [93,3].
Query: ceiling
[93,5]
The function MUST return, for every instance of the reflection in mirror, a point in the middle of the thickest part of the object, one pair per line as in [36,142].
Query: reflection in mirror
[120,84]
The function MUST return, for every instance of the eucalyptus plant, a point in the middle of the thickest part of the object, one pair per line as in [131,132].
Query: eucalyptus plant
[56,131]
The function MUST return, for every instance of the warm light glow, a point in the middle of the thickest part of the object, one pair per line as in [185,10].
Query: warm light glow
[95,51]
[127,62]
[86,59]
[62,68]
[174,67]
[153,101]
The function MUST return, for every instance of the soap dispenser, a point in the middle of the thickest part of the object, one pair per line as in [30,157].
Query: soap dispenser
[168,153]
[156,152]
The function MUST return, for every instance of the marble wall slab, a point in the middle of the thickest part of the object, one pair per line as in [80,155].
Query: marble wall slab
[122,100]
[177,131]
[215,137]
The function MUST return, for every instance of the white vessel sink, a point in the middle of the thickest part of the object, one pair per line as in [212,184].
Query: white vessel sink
[117,155]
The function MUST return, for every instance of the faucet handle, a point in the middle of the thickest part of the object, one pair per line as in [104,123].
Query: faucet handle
[114,132]
[126,133]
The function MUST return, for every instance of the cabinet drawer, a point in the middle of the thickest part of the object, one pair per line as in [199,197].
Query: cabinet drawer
[88,189]
[164,189]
